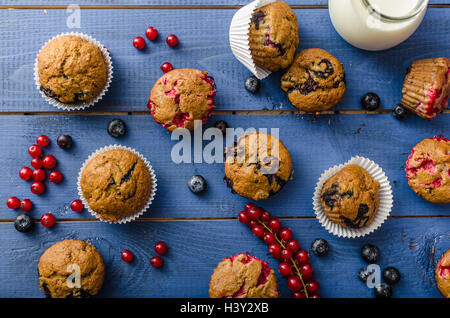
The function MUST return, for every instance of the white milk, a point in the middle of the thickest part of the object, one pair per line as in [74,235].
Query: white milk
[393,21]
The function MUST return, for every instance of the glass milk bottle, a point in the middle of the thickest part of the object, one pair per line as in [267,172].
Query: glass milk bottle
[376,24]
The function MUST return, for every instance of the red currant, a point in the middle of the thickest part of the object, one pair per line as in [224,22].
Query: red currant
[36,163]
[298,294]
[314,296]
[55,176]
[312,287]
[302,256]
[265,217]
[274,224]
[252,224]
[13,203]
[49,162]
[156,261]
[42,141]
[34,151]
[285,268]
[254,213]
[286,253]
[37,187]
[275,250]
[139,42]
[77,206]
[127,256]
[293,245]
[249,205]
[26,205]
[172,40]
[166,67]
[258,230]
[294,283]
[47,220]
[39,175]
[286,234]
[151,33]
[243,218]
[25,173]
[269,238]
[307,272]
[161,248]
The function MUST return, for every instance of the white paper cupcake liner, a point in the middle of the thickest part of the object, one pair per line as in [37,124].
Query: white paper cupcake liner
[239,29]
[385,195]
[76,106]
[152,186]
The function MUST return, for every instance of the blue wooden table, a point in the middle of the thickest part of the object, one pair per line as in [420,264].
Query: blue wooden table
[201,230]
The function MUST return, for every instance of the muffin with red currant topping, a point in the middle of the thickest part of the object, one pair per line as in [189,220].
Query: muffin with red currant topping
[428,169]
[243,276]
[426,87]
[258,166]
[273,36]
[69,258]
[442,274]
[180,97]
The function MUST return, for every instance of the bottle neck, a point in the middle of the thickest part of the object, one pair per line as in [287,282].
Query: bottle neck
[374,9]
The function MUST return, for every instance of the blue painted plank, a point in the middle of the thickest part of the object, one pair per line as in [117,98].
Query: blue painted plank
[200,47]
[314,144]
[195,247]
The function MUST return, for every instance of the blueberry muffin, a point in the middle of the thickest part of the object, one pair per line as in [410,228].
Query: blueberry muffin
[350,197]
[258,166]
[116,184]
[315,81]
[72,70]
[273,36]
[442,274]
[181,96]
[243,276]
[426,87]
[428,169]
[62,260]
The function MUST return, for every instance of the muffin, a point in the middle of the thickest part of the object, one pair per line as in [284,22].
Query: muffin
[315,81]
[181,96]
[426,87]
[273,36]
[116,184]
[428,169]
[72,70]
[350,197]
[59,265]
[258,166]
[442,274]
[243,276]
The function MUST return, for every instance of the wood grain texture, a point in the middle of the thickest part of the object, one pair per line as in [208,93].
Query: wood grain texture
[315,145]
[200,47]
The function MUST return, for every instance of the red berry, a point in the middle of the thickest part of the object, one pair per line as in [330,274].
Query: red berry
[252,223]
[26,205]
[294,283]
[254,213]
[47,220]
[293,245]
[286,253]
[55,176]
[156,261]
[275,224]
[37,187]
[265,217]
[36,163]
[25,173]
[39,175]
[77,206]
[34,151]
[42,141]
[161,248]
[302,256]
[49,162]
[312,287]
[286,234]
[243,218]
[269,238]
[139,42]
[258,230]
[151,33]
[314,296]
[172,40]
[127,256]
[275,250]
[285,268]
[166,67]
[299,294]
[307,272]
[13,203]
[249,205]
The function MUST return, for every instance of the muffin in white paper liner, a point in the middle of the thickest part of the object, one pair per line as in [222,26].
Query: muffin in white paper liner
[384,207]
[82,105]
[239,29]
[152,186]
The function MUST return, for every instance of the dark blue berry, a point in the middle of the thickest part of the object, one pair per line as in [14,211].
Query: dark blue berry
[364,274]
[370,253]
[117,128]
[399,111]
[370,101]
[222,125]
[382,291]
[319,247]
[252,84]
[391,275]
[64,141]
[23,223]
[197,184]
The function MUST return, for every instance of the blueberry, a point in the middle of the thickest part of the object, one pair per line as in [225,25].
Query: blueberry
[319,247]
[382,291]
[370,101]
[222,125]
[197,184]
[23,223]
[364,274]
[252,84]
[370,253]
[117,128]
[391,275]
[399,111]
[64,141]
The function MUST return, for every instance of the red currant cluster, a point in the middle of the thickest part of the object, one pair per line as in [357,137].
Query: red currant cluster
[294,261]
[156,261]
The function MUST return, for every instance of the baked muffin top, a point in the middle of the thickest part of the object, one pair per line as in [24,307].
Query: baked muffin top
[273,36]
[116,184]
[181,96]
[442,274]
[72,70]
[63,259]
[243,276]
[350,197]
[258,166]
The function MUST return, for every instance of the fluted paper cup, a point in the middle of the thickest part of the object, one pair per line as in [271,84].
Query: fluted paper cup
[384,207]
